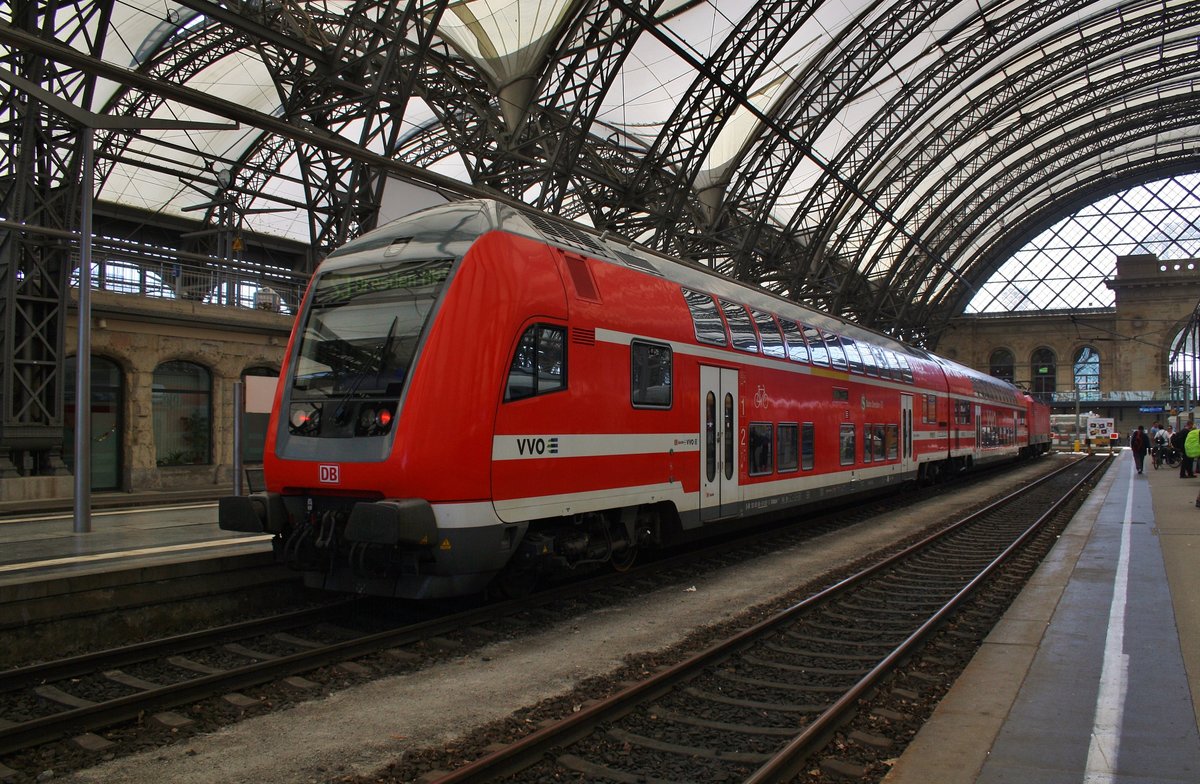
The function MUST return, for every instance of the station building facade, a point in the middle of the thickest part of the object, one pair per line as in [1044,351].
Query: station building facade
[1135,362]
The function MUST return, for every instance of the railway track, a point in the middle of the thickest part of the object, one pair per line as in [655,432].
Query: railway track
[53,701]
[757,706]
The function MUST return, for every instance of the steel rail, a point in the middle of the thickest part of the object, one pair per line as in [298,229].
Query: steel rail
[517,756]
[105,714]
[789,761]
[34,674]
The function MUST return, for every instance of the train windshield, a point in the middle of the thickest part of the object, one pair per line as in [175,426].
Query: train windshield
[362,326]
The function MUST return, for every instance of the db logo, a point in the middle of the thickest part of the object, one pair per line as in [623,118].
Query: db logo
[329,474]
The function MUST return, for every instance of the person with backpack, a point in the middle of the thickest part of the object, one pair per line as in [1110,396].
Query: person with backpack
[1191,448]
[1139,442]
[1177,441]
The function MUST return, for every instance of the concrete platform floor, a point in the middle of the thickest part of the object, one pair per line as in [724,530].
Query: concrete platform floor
[1094,674]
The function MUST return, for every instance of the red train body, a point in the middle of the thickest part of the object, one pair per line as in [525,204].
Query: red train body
[477,391]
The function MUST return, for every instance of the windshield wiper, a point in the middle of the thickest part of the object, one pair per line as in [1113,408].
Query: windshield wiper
[339,413]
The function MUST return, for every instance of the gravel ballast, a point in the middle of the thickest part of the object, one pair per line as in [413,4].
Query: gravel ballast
[360,730]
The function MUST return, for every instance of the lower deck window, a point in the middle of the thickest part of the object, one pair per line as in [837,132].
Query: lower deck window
[761,458]
[807,450]
[788,448]
[847,444]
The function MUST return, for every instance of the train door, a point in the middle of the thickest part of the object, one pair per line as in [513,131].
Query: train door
[719,495]
[978,431]
[906,433]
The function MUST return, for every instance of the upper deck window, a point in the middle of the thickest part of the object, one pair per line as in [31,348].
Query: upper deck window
[797,348]
[768,330]
[744,336]
[852,355]
[836,355]
[816,346]
[709,327]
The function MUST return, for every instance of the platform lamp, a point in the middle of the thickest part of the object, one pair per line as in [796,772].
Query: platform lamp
[89,123]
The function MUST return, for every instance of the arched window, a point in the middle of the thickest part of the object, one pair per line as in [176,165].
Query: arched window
[1002,365]
[1184,363]
[108,390]
[1043,369]
[1087,373]
[182,414]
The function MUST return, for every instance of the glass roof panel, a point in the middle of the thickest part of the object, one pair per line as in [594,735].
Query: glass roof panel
[238,78]
[1066,265]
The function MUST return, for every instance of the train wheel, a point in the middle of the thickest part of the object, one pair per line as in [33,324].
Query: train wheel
[623,561]
[512,584]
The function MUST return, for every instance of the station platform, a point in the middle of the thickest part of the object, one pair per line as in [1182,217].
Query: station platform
[1093,675]
[124,532]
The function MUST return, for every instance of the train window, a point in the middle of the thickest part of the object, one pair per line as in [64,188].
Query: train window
[539,365]
[962,412]
[744,336]
[728,435]
[878,442]
[797,349]
[787,453]
[887,366]
[870,363]
[891,442]
[841,394]
[905,369]
[847,444]
[768,330]
[709,327]
[881,362]
[816,346]
[852,356]
[837,357]
[760,449]
[710,437]
[894,363]
[929,410]
[807,448]
[650,375]
[873,449]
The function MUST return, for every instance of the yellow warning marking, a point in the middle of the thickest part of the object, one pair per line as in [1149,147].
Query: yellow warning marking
[445,544]
[424,539]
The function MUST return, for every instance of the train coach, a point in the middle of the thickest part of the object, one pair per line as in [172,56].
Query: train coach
[477,394]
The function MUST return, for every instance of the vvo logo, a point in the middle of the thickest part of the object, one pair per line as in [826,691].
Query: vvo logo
[329,474]
[537,446]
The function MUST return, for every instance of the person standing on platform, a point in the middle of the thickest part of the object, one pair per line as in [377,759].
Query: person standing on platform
[1139,442]
[1177,441]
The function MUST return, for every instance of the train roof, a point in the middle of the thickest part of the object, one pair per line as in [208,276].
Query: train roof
[459,223]
[452,227]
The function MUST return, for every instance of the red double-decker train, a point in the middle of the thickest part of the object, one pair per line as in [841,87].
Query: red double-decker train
[478,392]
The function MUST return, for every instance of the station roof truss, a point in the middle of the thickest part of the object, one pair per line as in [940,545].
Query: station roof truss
[878,160]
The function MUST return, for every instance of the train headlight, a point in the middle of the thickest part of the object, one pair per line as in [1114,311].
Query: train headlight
[305,418]
[375,421]
[383,418]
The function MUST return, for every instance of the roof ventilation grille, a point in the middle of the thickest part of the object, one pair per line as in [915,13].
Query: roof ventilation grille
[567,235]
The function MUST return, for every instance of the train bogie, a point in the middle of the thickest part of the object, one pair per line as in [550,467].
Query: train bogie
[477,391]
